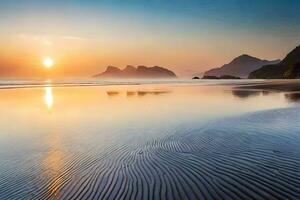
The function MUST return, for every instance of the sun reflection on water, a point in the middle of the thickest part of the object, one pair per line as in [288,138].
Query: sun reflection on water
[48,98]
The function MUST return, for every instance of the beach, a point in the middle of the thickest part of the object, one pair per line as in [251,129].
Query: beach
[165,140]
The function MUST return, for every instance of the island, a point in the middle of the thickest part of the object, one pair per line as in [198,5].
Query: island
[136,72]
[240,66]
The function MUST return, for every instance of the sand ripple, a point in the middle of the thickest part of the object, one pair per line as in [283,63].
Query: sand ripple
[256,156]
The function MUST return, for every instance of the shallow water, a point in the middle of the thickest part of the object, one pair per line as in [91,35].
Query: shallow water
[148,141]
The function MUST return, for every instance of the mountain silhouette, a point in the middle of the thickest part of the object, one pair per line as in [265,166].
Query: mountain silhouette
[240,66]
[136,72]
[288,68]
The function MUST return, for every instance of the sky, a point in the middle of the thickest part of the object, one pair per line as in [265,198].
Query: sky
[186,36]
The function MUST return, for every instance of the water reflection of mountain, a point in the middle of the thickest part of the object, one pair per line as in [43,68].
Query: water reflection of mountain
[112,93]
[130,93]
[245,93]
[143,93]
[293,97]
[136,93]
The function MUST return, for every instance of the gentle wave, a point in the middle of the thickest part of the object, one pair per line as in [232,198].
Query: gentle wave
[14,84]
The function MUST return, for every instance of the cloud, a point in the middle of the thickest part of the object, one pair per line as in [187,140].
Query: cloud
[48,40]
[43,39]
[71,37]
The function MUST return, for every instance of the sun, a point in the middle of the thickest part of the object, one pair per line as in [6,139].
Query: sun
[48,62]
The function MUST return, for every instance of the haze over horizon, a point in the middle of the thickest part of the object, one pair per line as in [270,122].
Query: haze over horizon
[83,37]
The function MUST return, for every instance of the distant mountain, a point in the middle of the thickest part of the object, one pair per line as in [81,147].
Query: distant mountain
[288,68]
[241,66]
[221,77]
[136,72]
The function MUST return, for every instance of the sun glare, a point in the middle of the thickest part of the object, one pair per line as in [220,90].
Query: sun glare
[48,62]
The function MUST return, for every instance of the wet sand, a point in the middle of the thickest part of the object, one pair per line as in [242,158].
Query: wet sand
[275,85]
[182,145]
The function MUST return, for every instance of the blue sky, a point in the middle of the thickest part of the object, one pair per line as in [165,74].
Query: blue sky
[279,16]
[196,35]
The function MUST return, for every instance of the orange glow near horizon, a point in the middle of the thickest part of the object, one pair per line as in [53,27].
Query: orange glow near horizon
[84,56]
